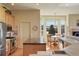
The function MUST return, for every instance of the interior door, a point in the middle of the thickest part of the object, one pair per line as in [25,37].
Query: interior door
[24,31]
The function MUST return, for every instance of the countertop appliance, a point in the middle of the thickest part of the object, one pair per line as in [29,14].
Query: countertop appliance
[3,30]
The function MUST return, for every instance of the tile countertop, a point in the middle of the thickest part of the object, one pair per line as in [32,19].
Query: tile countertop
[73,49]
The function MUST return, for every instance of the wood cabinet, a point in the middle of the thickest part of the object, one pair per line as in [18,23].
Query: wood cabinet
[9,19]
[13,22]
[6,18]
[33,48]
[2,14]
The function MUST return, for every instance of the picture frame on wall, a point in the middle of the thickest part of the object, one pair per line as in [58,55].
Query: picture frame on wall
[35,28]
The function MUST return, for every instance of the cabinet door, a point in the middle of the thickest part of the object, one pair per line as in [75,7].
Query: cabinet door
[10,19]
[6,18]
[13,22]
[2,14]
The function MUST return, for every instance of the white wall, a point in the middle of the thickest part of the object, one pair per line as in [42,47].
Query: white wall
[72,22]
[32,16]
[59,11]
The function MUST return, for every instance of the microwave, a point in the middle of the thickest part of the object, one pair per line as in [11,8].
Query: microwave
[9,28]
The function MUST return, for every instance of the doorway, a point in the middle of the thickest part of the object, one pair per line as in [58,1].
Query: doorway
[25,32]
[59,23]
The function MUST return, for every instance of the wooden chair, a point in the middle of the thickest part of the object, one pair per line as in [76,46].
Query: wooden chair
[49,39]
[57,40]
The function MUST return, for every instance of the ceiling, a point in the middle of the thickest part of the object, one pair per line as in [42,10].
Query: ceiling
[25,6]
[45,8]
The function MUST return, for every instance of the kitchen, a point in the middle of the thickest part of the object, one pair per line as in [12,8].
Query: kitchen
[15,33]
[24,29]
[7,19]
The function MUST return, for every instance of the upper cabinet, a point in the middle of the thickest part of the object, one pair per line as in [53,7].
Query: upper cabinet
[2,14]
[9,19]
[6,16]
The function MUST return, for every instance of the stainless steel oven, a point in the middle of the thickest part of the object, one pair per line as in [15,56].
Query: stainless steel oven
[12,44]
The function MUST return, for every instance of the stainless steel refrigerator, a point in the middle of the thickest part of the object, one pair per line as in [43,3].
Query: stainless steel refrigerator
[3,31]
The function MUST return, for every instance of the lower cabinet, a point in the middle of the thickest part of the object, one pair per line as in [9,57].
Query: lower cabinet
[29,49]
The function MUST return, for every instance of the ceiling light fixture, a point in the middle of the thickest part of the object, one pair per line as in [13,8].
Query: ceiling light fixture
[66,5]
[37,3]
[12,4]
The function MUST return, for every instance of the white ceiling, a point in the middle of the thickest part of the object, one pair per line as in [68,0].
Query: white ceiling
[47,8]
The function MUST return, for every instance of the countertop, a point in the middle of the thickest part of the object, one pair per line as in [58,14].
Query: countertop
[34,41]
[73,49]
[70,40]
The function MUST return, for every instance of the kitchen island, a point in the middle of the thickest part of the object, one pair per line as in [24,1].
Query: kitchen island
[31,46]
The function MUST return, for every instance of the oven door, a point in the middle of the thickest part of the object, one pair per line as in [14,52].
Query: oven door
[7,47]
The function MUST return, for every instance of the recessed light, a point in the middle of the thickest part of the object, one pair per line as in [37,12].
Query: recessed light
[66,5]
[37,3]
[12,4]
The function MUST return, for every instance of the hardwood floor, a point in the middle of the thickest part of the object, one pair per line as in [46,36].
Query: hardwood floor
[18,52]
